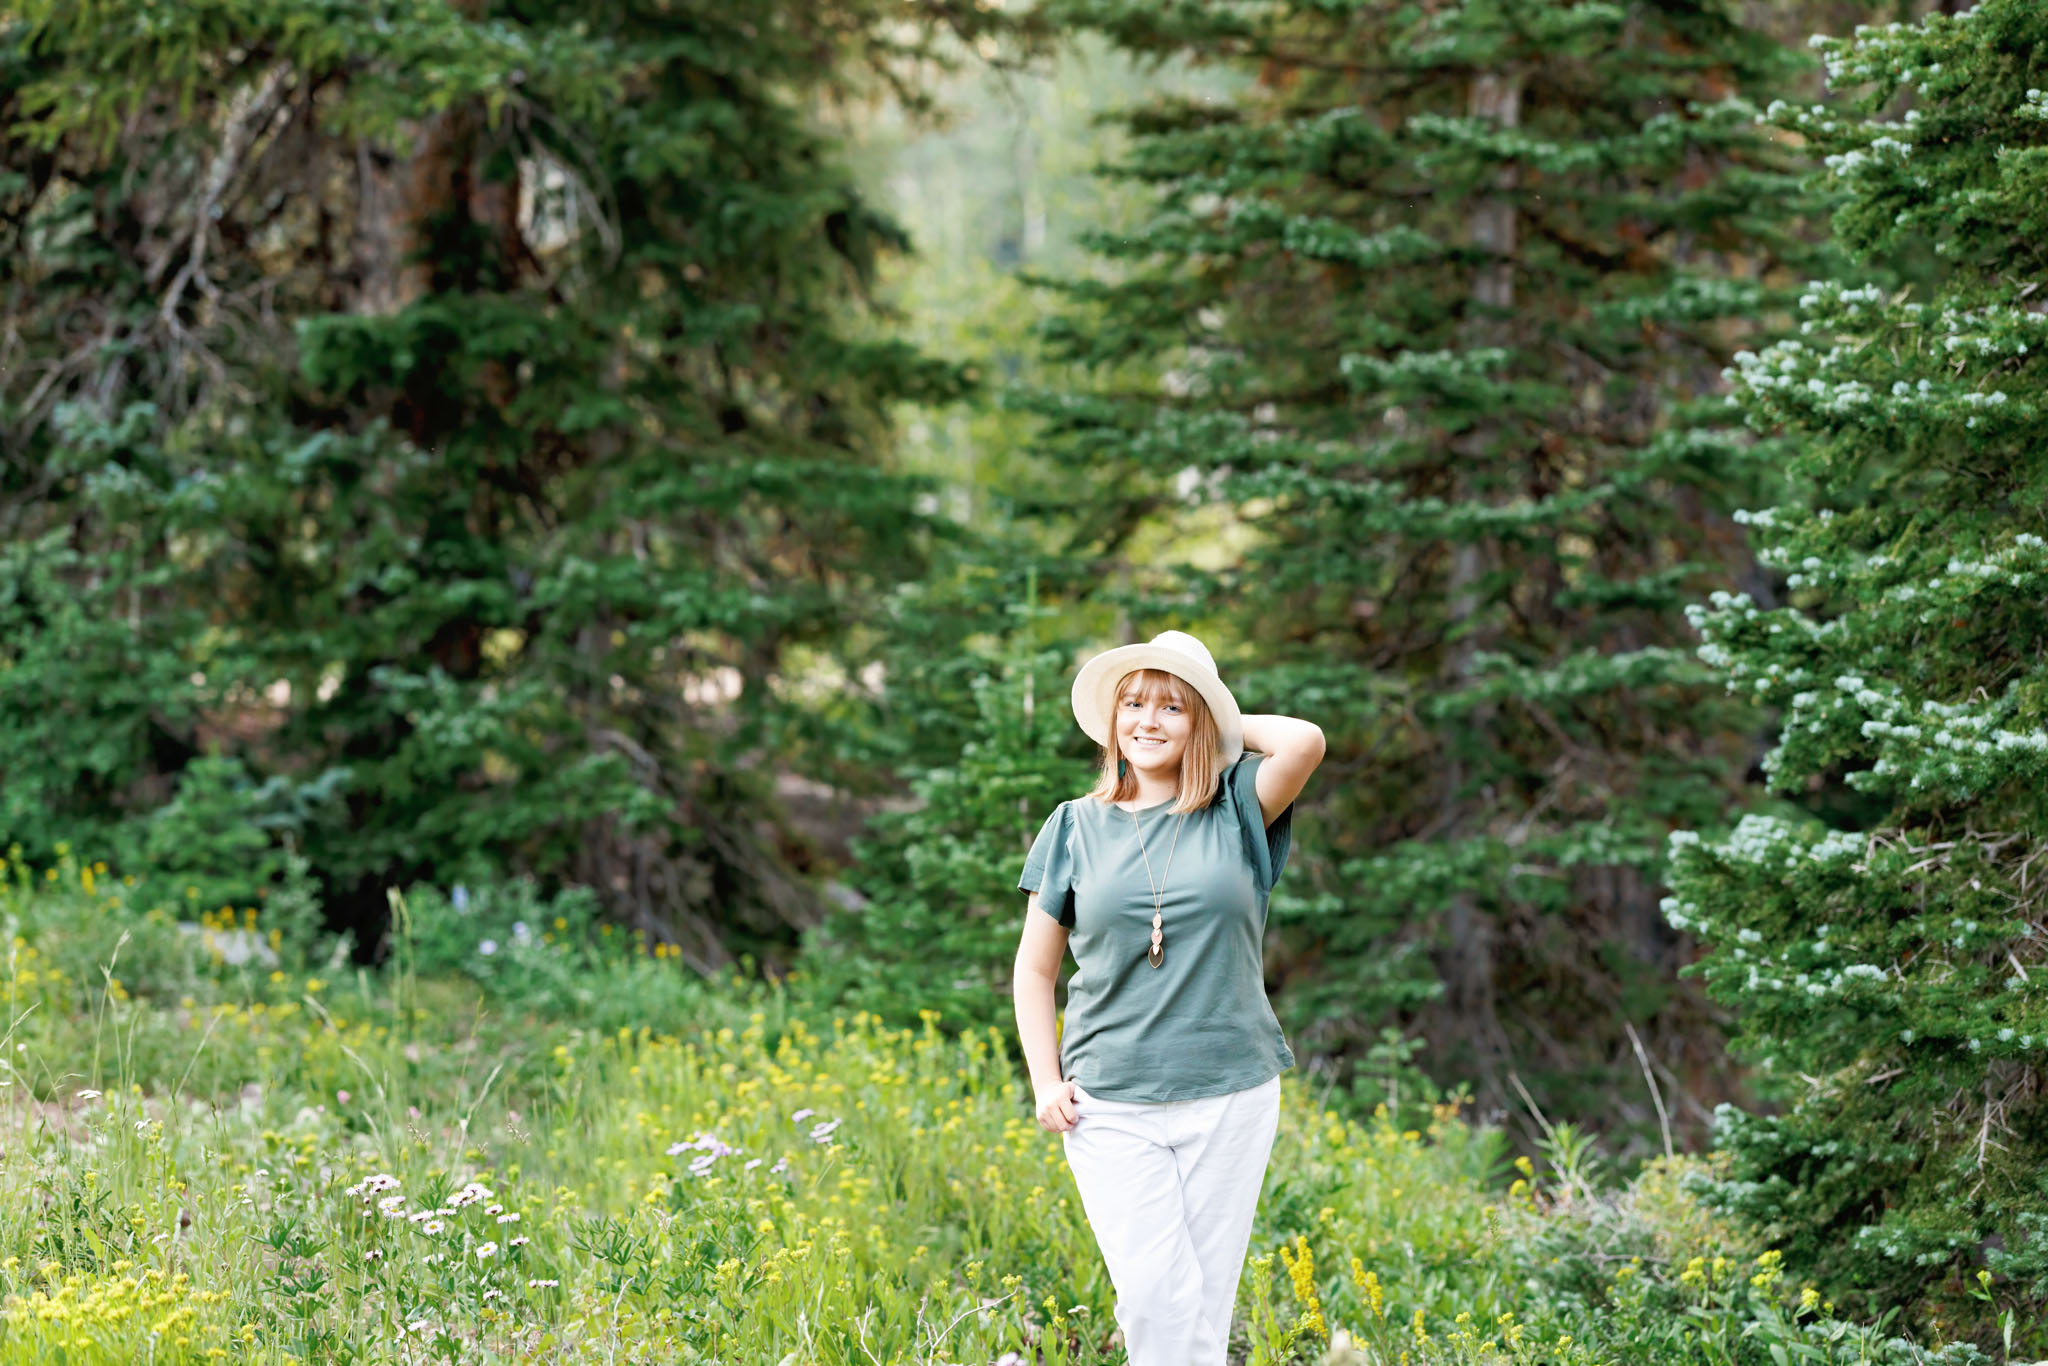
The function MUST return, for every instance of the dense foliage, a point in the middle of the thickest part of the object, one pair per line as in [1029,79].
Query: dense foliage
[1888,966]
[209,1161]
[463,482]
[1443,306]
[441,438]
[936,926]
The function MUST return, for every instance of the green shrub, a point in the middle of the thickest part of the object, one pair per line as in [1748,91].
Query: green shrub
[942,917]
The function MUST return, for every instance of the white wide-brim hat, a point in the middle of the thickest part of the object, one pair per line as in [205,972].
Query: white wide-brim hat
[1175,652]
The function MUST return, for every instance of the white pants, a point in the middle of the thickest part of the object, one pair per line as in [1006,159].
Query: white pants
[1170,1188]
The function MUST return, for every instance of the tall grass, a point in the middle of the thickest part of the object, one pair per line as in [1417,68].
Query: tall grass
[580,1152]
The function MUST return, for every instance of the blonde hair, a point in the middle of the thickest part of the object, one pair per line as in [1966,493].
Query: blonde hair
[1200,766]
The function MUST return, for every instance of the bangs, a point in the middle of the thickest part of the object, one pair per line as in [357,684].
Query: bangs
[1147,684]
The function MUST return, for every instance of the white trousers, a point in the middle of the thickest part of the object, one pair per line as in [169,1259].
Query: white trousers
[1169,1188]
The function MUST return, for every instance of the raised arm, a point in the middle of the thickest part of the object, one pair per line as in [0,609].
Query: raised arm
[1293,747]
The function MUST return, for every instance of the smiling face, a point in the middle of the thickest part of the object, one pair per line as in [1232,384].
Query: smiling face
[1154,703]
[1154,721]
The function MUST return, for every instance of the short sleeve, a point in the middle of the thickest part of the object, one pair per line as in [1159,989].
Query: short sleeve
[1266,845]
[1049,867]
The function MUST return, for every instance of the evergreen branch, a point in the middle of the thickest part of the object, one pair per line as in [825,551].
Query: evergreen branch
[1306,60]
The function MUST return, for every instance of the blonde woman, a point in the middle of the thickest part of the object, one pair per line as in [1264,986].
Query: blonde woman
[1165,1085]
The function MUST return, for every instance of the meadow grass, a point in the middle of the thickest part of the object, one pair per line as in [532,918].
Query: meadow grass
[203,1162]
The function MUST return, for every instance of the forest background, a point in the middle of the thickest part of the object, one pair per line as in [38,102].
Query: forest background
[509,453]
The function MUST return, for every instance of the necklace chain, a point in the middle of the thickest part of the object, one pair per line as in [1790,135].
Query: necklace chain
[1155,953]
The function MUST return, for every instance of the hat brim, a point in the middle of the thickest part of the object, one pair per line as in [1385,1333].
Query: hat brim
[1094,693]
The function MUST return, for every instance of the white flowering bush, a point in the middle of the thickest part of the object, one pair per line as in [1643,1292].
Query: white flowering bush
[1889,963]
[505,934]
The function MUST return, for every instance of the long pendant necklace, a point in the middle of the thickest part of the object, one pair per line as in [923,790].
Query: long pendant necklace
[1156,954]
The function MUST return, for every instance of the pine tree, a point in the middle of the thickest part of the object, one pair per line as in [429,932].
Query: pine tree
[456,417]
[1444,301]
[936,928]
[1888,962]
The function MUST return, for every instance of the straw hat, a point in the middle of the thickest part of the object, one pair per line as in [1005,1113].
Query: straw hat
[1175,652]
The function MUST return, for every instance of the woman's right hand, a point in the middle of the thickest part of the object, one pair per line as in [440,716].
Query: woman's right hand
[1057,1108]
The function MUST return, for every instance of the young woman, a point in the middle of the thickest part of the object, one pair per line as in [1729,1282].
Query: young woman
[1165,1085]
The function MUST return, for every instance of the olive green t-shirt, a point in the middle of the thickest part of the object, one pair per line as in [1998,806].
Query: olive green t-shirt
[1198,1024]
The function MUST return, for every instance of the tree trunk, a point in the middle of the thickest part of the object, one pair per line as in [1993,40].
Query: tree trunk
[1467,955]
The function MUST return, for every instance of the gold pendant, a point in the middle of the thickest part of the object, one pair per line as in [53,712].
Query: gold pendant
[1155,955]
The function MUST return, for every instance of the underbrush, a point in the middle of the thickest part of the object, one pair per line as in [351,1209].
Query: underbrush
[569,1148]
